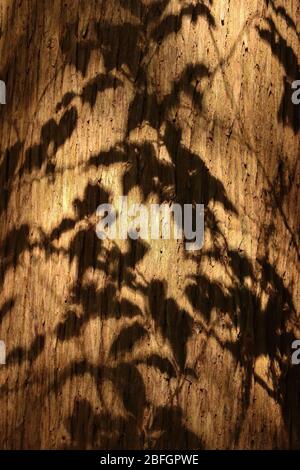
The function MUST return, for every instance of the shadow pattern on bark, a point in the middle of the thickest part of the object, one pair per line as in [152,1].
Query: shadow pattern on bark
[184,179]
[288,113]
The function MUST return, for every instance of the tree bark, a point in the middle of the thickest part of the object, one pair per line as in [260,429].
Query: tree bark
[122,344]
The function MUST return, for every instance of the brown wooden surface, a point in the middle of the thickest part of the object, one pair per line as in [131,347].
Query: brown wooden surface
[122,344]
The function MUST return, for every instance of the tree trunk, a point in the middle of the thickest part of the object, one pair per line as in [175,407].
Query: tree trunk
[123,344]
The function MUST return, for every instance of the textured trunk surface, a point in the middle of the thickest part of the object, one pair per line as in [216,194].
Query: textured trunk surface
[142,344]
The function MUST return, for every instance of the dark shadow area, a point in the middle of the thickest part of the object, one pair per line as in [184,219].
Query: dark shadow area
[19,354]
[11,249]
[51,133]
[288,113]
[8,166]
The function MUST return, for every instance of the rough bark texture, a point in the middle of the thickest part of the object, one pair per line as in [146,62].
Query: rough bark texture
[120,344]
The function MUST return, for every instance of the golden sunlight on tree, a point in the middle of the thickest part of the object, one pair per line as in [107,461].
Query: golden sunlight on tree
[140,343]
